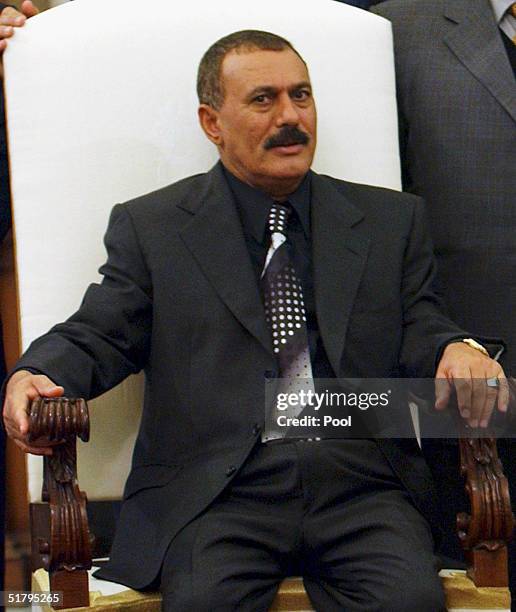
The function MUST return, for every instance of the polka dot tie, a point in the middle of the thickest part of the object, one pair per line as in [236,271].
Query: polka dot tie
[285,313]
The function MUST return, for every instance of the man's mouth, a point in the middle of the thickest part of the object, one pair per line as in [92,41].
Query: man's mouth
[289,136]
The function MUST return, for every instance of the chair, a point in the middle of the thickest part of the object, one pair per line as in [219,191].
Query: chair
[96,119]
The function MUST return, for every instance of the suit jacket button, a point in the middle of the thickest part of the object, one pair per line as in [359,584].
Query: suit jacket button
[269,374]
[256,429]
[231,470]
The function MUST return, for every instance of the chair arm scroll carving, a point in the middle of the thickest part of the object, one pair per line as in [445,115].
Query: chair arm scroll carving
[66,553]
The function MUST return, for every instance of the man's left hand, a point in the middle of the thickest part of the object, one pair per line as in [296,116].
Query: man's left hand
[478,380]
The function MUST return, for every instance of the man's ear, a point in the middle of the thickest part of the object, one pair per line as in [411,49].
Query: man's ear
[209,120]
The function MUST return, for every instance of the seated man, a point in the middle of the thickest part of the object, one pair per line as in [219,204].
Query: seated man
[192,294]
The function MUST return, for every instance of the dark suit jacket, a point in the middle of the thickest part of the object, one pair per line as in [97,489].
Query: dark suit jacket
[457,106]
[5,200]
[180,299]
[5,224]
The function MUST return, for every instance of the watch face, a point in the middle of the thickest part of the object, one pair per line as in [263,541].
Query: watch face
[474,344]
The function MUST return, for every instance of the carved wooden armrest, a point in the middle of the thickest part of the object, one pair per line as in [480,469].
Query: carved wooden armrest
[485,532]
[66,552]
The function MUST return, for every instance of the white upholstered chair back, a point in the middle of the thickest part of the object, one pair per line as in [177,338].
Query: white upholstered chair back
[101,108]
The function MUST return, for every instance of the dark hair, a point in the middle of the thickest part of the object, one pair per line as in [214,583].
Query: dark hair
[210,89]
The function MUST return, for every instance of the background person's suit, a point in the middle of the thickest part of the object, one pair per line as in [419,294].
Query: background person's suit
[180,299]
[457,107]
[5,224]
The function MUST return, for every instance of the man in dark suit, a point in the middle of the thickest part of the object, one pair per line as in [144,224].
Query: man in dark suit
[213,512]
[455,67]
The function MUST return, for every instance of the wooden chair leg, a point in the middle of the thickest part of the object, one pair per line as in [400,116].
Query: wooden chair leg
[74,586]
[485,532]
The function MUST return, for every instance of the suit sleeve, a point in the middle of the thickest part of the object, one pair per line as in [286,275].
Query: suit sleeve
[426,328]
[108,338]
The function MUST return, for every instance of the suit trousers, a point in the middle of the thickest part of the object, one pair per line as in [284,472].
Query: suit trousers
[330,511]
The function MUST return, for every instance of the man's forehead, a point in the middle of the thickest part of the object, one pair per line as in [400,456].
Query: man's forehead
[263,67]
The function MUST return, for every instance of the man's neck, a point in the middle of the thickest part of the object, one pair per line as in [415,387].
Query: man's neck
[277,190]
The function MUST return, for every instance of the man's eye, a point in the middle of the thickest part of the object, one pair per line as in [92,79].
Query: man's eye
[301,94]
[261,99]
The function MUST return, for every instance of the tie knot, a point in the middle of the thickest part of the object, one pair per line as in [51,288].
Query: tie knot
[278,217]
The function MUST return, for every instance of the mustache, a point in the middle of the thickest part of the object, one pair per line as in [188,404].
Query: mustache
[288,135]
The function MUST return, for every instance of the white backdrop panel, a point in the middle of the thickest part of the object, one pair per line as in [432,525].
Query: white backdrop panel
[101,107]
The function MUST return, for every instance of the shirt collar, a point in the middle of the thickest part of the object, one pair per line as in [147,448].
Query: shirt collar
[500,8]
[254,205]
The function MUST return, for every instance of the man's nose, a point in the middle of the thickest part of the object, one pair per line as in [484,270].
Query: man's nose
[287,112]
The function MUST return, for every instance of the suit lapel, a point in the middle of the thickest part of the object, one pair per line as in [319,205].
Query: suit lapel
[476,42]
[215,238]
[339,248]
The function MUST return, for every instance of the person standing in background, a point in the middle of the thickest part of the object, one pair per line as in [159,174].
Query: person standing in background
[455,71]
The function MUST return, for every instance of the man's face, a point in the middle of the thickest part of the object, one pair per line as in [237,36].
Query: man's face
[266,126]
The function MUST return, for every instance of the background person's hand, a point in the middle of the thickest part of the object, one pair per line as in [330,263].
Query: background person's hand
[479,382]
[10,19]
[22,388]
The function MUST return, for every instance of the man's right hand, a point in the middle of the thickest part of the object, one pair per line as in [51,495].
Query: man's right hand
[10,18]
[22,388]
